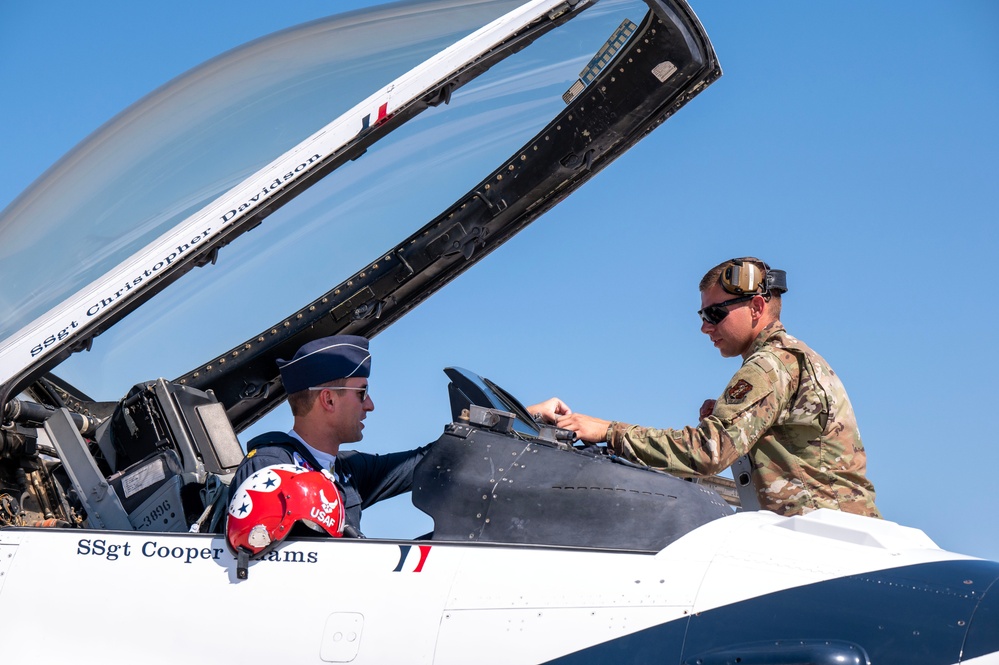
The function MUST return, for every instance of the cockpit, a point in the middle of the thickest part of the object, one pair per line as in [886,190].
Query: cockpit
[494,475]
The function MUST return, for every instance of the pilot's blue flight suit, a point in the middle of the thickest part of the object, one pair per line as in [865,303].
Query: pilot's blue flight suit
[362,478]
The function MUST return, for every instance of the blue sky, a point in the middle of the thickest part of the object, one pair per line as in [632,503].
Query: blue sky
[851,144]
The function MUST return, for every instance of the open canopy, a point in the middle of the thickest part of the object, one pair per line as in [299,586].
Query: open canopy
[412,140]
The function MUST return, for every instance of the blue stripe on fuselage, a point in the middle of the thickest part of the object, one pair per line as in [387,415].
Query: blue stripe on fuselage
[916,614]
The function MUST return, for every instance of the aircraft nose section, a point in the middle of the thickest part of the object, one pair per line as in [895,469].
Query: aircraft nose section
[930,613]
[982,638]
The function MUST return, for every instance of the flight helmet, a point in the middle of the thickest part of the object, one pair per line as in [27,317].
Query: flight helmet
[269,503]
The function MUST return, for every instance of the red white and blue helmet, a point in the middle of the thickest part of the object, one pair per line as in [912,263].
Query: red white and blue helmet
[269,503]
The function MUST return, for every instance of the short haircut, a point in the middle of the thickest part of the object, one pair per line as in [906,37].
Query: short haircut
[303,401]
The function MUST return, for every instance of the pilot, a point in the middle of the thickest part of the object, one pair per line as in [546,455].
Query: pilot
[785,407]
[327,386]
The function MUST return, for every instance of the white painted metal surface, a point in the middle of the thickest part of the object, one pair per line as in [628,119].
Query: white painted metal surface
[367,601]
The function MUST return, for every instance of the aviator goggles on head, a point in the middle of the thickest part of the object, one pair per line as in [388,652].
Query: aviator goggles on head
[363,390]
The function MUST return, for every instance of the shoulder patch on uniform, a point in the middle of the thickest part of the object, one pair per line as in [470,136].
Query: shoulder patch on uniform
[737,393]
[300,461]
[251,453]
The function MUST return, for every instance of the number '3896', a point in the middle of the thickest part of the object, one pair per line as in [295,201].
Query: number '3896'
[162,510]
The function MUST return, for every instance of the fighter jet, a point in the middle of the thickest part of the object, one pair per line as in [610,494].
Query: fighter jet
[396,147]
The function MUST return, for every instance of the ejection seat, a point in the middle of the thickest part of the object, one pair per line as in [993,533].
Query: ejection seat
[162,454]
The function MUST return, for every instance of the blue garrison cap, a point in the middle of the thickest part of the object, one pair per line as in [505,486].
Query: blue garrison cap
[325,359]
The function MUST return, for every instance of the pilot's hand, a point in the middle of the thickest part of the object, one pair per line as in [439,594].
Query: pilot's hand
[707,408]
[550,410]
[587,428]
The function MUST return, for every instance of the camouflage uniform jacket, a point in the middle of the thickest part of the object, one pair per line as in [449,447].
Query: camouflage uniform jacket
[790,412]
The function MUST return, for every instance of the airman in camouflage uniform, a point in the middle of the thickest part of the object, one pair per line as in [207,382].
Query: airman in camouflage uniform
[789,411]
[785,408]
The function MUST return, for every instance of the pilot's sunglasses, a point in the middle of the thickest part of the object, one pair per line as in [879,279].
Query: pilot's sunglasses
[363,390]
[715,314]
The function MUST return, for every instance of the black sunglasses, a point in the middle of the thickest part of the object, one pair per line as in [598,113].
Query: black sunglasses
[715,314]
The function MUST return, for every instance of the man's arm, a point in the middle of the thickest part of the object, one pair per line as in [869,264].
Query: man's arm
[744,412]
[379,477]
